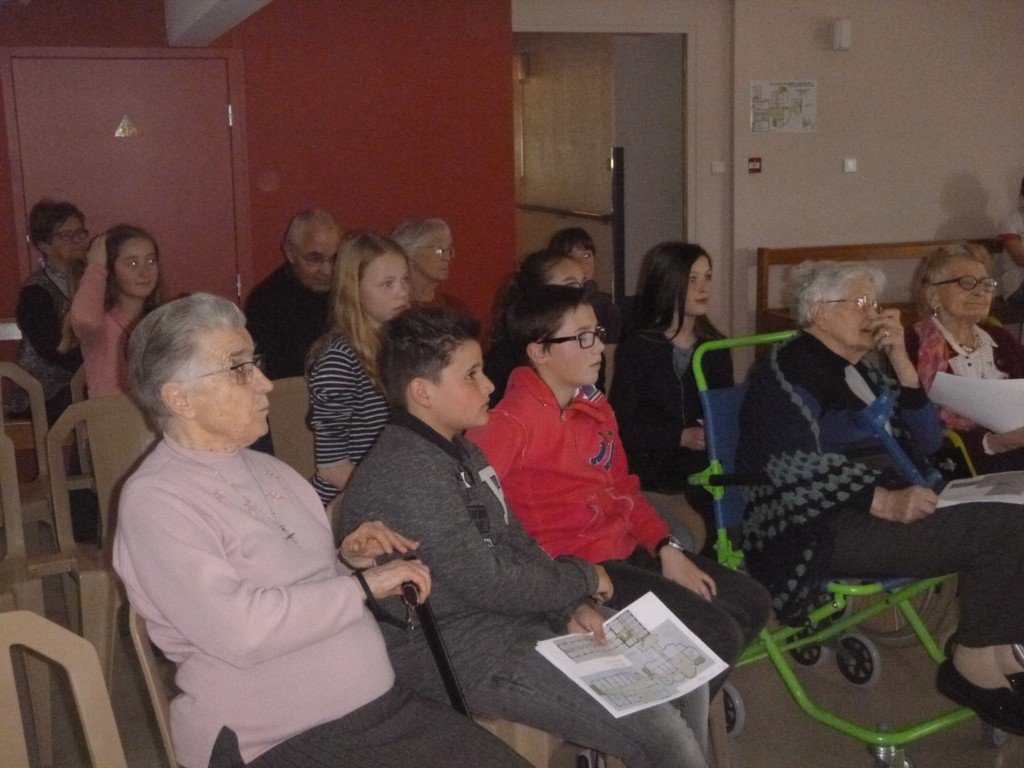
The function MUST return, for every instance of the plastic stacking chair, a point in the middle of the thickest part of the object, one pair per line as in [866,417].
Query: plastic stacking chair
[830,625]
[159,693]
[78,658]
[289,427]
[119,437]
[34,494]
[21,587]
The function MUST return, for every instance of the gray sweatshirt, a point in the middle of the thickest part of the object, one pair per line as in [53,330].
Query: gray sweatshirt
[492,587]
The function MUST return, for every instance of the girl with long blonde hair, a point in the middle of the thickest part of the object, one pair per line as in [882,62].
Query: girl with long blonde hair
[347,406]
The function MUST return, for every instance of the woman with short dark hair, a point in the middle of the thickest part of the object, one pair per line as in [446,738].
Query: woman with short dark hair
[49,350]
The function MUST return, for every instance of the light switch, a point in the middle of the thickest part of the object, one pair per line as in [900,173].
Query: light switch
[850,165]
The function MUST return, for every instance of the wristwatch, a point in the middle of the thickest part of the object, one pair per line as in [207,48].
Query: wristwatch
[669,541]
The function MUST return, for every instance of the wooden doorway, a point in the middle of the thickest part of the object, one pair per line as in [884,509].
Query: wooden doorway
[577,96]
[148,137]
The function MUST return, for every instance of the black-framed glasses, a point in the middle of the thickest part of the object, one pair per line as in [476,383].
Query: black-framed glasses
[244,372]
[586,339]
[970,282]
[313,259]
[69,236]
[862,302]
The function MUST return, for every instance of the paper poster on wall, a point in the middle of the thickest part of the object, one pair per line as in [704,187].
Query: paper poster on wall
[784,106]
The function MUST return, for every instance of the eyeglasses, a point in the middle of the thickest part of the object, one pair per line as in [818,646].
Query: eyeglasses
[312,259]
[586,339]
[862,302]
[69,236]
[136,264]
[244,372]
[318,260]
[439,251]
[970,282]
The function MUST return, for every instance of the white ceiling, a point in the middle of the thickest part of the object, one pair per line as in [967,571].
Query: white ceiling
[200,22]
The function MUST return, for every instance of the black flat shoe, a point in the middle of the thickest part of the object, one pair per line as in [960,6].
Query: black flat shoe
[999,707]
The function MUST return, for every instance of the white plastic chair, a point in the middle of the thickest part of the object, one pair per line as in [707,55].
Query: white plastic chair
[119,437]
[79,660]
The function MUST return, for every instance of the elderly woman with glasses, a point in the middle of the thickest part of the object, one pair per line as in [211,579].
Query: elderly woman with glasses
[955,290]
[841,494]
[428,244]
[228,555]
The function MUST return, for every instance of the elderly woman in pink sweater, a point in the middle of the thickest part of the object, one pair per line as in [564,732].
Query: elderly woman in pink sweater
[120,286]
[228,555]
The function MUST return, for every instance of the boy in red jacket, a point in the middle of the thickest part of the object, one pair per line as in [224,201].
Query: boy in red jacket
[554,442]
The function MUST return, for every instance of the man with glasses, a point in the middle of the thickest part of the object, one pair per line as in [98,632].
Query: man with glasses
[48,348]
[287,312]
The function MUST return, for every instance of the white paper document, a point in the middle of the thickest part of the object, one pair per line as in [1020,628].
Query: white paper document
[650,657]
[996,404]
[1006,487]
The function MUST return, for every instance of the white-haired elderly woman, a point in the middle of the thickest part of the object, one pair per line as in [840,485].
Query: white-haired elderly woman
[228,555]
[428,244]
[835,500]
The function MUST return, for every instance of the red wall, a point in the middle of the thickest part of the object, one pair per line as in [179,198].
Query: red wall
[63,23]
[379,110]
[374,109]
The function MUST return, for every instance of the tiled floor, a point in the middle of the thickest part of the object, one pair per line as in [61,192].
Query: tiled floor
[776,735]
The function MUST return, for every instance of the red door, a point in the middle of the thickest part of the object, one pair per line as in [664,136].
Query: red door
[138,137]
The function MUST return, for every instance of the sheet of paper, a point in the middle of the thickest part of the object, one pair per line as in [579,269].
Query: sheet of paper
[996,404]
[650,657]
[1007,487]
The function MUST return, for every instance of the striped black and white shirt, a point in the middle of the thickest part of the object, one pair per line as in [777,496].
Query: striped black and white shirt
[347,410]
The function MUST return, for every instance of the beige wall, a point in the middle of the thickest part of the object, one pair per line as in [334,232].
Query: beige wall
[928,100]
[708,27]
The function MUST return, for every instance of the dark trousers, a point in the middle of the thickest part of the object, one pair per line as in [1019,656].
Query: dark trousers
[398,730]
[727,623]
[982,542]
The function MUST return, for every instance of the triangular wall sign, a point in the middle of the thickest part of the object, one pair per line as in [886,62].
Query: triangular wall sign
[126,129]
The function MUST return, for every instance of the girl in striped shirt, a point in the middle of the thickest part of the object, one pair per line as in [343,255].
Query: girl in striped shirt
[347,407]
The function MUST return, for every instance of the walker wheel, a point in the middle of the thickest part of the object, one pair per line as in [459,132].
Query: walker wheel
[858,659]
[735,711]
[892,757]
[900,762]
[997,737]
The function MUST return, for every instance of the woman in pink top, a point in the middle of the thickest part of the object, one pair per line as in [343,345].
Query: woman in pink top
[120,286]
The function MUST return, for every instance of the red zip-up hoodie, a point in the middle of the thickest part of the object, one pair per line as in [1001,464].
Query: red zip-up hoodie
[564,472]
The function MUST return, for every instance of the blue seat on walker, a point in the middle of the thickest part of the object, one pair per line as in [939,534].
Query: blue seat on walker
[831,622]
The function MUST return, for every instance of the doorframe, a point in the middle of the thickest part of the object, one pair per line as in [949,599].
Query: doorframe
[232,58]
[662,27]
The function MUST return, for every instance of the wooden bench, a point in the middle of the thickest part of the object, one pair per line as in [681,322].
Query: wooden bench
[897,260]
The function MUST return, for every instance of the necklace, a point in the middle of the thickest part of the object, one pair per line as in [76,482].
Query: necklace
[256,512]
[972,345]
